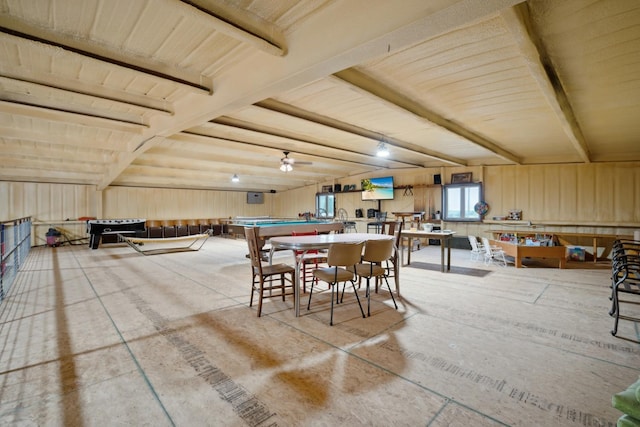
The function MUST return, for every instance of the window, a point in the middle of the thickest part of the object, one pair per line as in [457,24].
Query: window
[325,205]
[459,200]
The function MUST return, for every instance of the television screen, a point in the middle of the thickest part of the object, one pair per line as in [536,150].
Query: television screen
[377,188]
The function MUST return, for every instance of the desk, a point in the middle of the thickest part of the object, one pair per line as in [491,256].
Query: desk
[320,241]
[443,236]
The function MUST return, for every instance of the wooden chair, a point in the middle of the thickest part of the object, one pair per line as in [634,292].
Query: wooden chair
[267,278]
[308,258]
[375,253]
[340,257]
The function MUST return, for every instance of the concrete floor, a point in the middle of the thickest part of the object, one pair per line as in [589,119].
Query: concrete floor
[111,337]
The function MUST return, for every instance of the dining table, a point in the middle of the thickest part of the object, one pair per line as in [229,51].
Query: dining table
[445,243]
[303,244]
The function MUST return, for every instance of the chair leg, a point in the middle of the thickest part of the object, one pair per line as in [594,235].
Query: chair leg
[390,292]
[353,284]
[331,318]
[310,293]
[260,295]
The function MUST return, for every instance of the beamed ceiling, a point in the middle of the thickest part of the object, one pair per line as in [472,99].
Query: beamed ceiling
[184,94]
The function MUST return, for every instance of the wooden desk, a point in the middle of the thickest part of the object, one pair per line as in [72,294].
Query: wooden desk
[521,251]
[320,241]
[443,236]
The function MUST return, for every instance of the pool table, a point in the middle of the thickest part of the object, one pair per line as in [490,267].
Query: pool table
[271,227]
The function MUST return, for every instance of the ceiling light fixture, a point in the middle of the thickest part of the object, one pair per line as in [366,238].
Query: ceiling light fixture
[286,167]
[383,151]
[235,178]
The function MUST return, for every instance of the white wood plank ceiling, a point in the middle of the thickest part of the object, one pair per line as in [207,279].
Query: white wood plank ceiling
[184,94]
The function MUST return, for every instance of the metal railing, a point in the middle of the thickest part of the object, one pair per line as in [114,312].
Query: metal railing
[15,243]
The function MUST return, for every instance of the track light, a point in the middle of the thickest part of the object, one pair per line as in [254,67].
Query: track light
[286,167]
[235,178]
[383,151]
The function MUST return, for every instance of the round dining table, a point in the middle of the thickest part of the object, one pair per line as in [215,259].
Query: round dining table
[319,242]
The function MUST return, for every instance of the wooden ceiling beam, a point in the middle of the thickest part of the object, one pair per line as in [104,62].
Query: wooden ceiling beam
[53,114]
[535,55]
[372,87]
[225,26]
[9,26]
[115,100]
[319,119]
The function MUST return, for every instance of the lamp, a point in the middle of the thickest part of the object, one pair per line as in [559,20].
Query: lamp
[235,178]
[383,151]
[286,167]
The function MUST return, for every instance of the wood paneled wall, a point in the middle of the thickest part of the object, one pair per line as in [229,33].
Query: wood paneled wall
[593,194]
[574,196]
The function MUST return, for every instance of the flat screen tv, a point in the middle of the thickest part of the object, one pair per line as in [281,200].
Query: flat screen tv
[377,188]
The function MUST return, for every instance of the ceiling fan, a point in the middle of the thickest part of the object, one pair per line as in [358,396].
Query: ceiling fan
[286,163]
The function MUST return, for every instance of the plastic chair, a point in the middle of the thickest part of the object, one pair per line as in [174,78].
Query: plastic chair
[267,278]
[477,249]
[493,254]
[375,253]
[339,258]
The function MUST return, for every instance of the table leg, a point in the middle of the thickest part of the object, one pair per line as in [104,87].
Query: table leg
[595,249]
[409,246]
[448,254]
[442,243]
[296,287]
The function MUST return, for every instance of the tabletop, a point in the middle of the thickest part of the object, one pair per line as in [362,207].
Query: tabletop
[322,241]
[431,234]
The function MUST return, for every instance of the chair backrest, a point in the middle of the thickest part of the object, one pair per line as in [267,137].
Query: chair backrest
[381,216]
[344,254]
[254,251]
[376,251]
[487,246]
[342,214]
[473,240]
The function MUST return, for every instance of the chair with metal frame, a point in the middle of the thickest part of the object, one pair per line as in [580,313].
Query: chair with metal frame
[340,257]
[308,258]
[265,277]
[377,225]
[392,265]
[348,225]
[375,253]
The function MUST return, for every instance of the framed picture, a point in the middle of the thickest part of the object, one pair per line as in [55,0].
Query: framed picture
[327,188]
[459,178]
